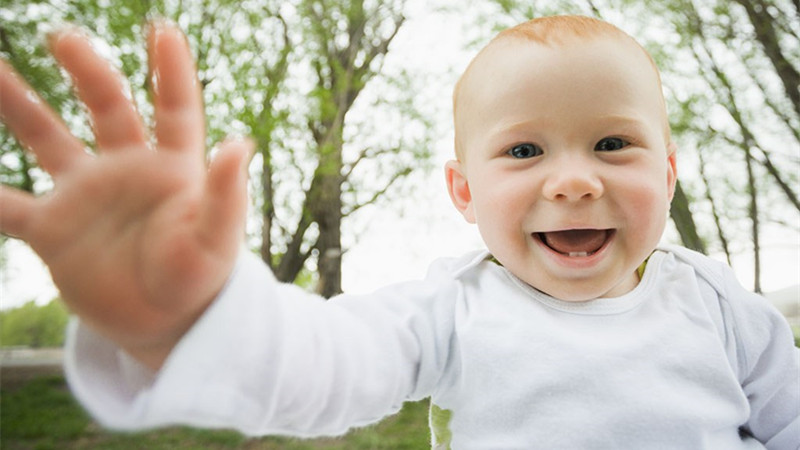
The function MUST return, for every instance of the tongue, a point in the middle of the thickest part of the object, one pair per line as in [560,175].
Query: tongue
[575,241]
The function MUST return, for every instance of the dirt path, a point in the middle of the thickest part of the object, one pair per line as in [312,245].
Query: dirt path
[19,365]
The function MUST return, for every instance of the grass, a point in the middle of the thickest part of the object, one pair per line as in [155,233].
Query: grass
[41,414]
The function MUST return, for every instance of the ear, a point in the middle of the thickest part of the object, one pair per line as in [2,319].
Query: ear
[458,187]
[672,169]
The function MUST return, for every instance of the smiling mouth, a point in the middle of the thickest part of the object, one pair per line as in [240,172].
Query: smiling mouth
[575,243]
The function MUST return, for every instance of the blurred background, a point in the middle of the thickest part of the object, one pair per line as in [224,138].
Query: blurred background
[349,103]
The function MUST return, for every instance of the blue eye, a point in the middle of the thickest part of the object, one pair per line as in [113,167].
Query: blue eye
[523,151]
[610,144]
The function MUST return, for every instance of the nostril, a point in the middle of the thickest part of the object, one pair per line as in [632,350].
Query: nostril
[573,182]
[576,195]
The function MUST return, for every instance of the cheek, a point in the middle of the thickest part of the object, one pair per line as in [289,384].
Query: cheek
[514,184]
[646,185]
[501,205]
[502,197]
[646,205]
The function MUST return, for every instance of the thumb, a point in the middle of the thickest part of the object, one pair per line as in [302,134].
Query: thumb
[223,213]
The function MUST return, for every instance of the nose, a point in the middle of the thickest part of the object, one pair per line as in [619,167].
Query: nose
[571,180]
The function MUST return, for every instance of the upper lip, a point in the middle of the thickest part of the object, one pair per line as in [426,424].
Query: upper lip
[540,236]
[555,230]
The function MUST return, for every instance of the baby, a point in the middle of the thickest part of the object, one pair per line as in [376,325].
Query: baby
[573,330]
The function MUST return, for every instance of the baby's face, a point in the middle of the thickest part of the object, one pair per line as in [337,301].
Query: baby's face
[564,163]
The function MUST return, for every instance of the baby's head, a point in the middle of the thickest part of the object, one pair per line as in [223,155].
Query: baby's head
[564,155]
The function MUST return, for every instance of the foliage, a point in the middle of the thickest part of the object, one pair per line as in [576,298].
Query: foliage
[34,326]
[740,112]
[42,414]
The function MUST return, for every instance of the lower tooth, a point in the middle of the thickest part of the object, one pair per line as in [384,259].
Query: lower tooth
[577,254]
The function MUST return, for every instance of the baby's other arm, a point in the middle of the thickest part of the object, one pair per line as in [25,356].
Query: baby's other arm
[141,236]
[768,366]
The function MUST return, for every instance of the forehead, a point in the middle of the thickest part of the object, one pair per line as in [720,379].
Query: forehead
[554,32]
[515,73]
[512,61]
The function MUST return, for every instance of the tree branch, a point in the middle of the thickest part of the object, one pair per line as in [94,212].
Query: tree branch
[366,154]
[378,194]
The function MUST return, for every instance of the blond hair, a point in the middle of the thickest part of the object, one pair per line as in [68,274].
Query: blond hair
[555,29]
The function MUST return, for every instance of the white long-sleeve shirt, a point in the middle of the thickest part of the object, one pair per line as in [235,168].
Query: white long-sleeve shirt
[688,359]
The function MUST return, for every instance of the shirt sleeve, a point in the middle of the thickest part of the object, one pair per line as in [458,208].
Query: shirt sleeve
[269,358]
[768,366]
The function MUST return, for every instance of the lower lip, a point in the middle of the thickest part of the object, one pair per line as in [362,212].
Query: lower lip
[577,261]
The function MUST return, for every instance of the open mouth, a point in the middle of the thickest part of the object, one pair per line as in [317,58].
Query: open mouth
[576,243]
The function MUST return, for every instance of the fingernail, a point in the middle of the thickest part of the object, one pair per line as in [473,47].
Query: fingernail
[157,26]
[152,34]
[237,138]
[55,32]
[244,140]
[153,26]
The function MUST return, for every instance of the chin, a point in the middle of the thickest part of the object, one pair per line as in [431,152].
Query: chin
[577,297]
[585,293]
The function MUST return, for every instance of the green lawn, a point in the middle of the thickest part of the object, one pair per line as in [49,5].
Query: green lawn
[41,414]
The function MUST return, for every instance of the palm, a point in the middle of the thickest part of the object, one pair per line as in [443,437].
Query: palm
[123,245]
[138,241]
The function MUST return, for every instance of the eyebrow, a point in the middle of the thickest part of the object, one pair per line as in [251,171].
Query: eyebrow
[498,135]
[511,126]
[518,126]
[633,123]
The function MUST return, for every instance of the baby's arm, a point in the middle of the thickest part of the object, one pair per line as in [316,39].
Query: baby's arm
[771,381]
[142,243]
[140,237]
[270,358]
[768,366]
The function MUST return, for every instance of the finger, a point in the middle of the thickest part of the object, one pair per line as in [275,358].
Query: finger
[177,98]
[222,217]
[35,124]
[116,122]
[16,208]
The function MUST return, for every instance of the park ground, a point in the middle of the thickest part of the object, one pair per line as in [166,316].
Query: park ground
[37,412]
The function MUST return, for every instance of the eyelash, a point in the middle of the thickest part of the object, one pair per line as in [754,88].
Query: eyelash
[623,143]
[529,150]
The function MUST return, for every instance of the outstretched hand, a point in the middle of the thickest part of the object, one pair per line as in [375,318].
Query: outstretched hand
[141,236]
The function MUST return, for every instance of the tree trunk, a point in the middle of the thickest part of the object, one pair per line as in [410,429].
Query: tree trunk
[753,211]
[267,208]
[343,68]
[682,217]
[763,24]
[785,187]
[714,210]
[326,205]
[328,216]
[266,123]
[291,263]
